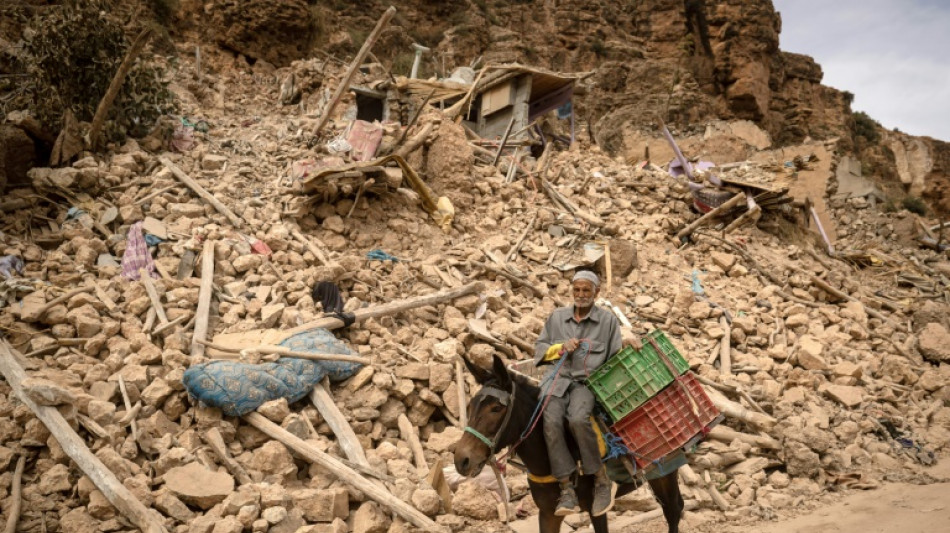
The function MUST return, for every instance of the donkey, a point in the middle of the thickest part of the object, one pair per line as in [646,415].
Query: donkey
[503,408]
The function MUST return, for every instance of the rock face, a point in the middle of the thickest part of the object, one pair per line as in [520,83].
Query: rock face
[277,32]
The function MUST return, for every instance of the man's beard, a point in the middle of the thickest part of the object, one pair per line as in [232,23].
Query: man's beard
[583,302]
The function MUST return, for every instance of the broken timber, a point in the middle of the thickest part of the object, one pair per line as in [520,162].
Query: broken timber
[202,192]
[204,300]
[345,436]
[342,472]
[239,341]
[351,70]
[76,449]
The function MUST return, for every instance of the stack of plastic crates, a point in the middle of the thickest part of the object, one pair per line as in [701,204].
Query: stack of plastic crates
[657,406]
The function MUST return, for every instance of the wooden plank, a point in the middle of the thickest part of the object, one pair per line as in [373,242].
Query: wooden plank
[354,66]
[153,296]
[410,435]
[216,442]
[342,472]
[76,449]
[345,436]
[13,515]
[202,192]
[204,300]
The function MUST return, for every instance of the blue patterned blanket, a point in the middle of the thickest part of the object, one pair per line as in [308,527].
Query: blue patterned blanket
[239,388]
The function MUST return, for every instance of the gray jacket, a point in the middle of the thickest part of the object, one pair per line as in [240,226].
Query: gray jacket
[599,333]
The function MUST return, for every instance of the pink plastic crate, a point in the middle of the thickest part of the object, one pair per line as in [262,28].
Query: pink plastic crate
[667,421]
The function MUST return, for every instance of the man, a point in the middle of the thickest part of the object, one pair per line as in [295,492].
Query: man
[584,336]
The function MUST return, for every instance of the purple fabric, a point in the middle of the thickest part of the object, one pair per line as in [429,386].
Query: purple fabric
[136,254]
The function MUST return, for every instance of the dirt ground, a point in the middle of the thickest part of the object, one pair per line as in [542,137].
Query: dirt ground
[895,507]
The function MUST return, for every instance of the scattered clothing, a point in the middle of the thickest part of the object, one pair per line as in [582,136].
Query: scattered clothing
[240,388]
[330,299]
[10,265]
[379,255]
[137,256]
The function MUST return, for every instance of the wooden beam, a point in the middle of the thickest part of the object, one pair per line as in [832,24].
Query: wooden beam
[317,252]
[342,472]
[13,515]
[202,192]
[411,436]
[204,300]
[391,308]
[735,410]
[823,285]
[726,434]
[504,140]
[216,442]
[354,66]
[725,353]
[463,401]
[76,449]
[153,296]
[727,205]
[102,110]
[345,436]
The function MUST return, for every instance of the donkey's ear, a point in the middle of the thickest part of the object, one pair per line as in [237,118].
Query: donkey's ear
[500,371]
[482,376]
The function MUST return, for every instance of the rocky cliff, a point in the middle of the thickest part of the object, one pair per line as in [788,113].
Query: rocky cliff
[687,62]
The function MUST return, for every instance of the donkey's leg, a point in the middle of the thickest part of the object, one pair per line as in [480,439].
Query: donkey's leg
[548,522]
[667,491]
[599,523]
[545,497]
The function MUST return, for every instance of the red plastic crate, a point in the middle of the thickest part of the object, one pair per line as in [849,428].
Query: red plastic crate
[667,421]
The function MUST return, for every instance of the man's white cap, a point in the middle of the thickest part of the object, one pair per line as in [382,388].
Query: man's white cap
[587,275]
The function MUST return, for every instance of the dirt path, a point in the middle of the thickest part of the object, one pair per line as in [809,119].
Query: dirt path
[893,508]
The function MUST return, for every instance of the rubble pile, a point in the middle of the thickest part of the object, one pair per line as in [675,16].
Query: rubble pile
[834,375]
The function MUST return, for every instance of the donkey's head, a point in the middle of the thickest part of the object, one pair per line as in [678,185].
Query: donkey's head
[488,412]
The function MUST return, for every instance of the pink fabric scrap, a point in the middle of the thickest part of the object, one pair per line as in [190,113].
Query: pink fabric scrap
[365,138]
[136,254]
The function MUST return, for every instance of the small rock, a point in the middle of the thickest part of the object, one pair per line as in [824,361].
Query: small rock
[934,343]
[322,505]
[213,162]
[474,501]
[56,479]
[270,314]
[369,518]
[643,300]
[196,485]
[850,397]
[723,260]
[445,440]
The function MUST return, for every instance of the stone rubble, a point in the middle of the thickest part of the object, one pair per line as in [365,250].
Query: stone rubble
[833,377]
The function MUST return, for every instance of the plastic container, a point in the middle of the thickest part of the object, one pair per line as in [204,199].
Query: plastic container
[668,421]
[630,378]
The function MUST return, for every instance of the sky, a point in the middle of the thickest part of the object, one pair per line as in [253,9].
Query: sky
[894,55]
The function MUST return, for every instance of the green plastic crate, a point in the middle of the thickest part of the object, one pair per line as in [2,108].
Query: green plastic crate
[630,378]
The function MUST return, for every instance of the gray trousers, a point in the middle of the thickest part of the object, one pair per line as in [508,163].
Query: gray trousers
[575,407]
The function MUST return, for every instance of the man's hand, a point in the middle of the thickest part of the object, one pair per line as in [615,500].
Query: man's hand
[571,344]
[630,338]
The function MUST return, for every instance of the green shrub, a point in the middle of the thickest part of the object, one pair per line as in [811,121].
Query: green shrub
[915,205]
[865,126]
[71,56]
